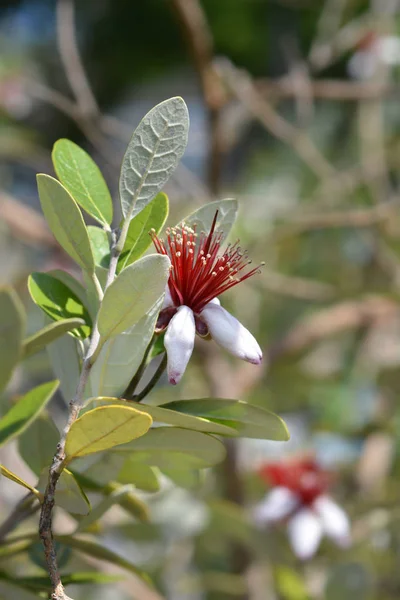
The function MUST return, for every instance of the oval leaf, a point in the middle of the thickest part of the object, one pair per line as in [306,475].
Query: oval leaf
[64,359]
[75,286]
[153,154]
[142,477]
[203,216]
[248,421]
[103,428]
[12,325]
[131,295]
[58,301]
[162,445]
[65,221]
[21,415]
[138,239]
[121,356]
[38,443]
[78,172]
[48,334]
[13,477]
[100,245]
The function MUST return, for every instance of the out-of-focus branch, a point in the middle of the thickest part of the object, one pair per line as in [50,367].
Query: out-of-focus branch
[196,30]
[328,25]
[296,287]
[242,87]
[332,321]
[25,223]
[326,89]
[68,49]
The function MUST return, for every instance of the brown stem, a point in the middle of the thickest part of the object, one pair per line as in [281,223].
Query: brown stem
[130,390]
[146,390]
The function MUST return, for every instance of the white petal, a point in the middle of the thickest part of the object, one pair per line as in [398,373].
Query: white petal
[388,49]
[179,342]
[277,505]
[167,298]
[334,520]
[229,333]
[215,301]
[305,532]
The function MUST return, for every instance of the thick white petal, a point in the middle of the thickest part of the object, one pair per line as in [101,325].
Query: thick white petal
[276,505]
[229,333]
[305,532]
[179,342]
[167,298]
[334,520]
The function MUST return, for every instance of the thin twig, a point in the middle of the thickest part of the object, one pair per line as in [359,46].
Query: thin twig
[153,381]
[196,30]
[131,387]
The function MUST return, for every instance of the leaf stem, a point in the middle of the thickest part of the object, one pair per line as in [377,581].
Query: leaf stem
[130,390]
[153,381]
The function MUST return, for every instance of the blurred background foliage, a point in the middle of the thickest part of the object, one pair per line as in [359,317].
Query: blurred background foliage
[294,111]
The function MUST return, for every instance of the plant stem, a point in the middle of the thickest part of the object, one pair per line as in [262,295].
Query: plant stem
[147,389]
[130,390]
[58,463]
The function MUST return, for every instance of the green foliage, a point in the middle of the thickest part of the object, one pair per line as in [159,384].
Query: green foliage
[58,301]
[153,154]
[100,243]
[138,239]
[25,411]
[39,340]
[141,476]
[36,445]
[103,428]
[203,216]
[128,298]
[69,494]
[65,221]
[83,179]
[16,479]
[12,326]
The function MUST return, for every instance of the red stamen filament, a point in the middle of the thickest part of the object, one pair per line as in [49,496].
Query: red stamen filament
[199,273]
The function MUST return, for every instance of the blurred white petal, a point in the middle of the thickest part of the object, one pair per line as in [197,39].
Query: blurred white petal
[229,333]
[277,505]
[167,298]
[334,520]
[179,342]
[305,532]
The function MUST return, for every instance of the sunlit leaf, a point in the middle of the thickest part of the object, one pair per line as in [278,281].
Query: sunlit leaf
[138,238]
[121,356]
[12,325]
[41,583]
[28,407]
[70,495]
[58,301]
[203,216]
[65,221]
[103,428]
[16,479]
[83,179]
[247,420]
[142,477]
[185,478]
[153,154]
[73,284]
[39,340]
[161,446]
[132,294]
[37,444]
[289,584]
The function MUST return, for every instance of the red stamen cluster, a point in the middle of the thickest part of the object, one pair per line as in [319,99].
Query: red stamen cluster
[303,477]
[199,273]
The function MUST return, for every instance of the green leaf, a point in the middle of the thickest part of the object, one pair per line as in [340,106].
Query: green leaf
[115,496]
[142,477]
[121,356]
[186,421]
[100,469]
[58,301]
[153,154]
[65,221]
[185,478]
[37,444]
[348,581]
[12,325]
[94,550]
[162,446]
[41,583]
[247,420]
[289,584]
[74,285]
[64,359]
[22,414]
[83,179]
[138,238]
[132,293]
[13,477]
[203,216]
[103,428]
[100,245]
[10,590]
[39,340]
[70,495]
